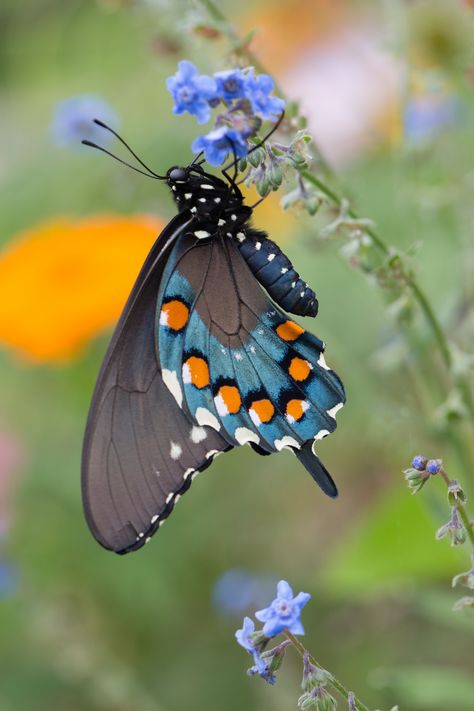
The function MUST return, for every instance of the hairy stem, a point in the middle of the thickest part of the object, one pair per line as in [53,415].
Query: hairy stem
[335,683]
[463,514]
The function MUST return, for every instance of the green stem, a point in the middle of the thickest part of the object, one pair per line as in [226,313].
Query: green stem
[335,683]
[463,514]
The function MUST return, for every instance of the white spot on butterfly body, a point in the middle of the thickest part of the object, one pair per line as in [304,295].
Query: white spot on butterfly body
[332,412]
[322,362]
[202,199]
[175,450]
[173,187]
[271,257]
[188,196]
[206,186]
[205,417]
[284,270]
[201,234]
[193,209]
[258,245]
[220,222]
[321,434]
[217,199]
[233,217]
[286,442]
[244,435]
[301,294]
[198,434]
[240,236]
[171,381]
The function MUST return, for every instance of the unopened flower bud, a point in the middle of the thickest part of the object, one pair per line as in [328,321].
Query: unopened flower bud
[433,466]
[456,493]
[419,463]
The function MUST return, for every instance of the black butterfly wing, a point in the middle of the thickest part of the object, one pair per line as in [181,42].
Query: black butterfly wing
[131,474]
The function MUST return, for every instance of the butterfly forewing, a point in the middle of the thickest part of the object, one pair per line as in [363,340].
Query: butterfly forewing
[140,450]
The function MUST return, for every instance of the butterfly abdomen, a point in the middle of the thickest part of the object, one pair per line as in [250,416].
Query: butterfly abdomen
[276,274]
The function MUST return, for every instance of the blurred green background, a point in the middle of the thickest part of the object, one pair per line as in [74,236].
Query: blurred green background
[389,91]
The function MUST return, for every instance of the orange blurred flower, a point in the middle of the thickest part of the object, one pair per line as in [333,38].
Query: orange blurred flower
[65,281]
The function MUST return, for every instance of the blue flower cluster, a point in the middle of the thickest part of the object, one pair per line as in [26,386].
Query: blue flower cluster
[282,614]
[247,100]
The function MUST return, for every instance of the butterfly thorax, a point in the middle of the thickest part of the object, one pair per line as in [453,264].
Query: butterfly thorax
[217,206]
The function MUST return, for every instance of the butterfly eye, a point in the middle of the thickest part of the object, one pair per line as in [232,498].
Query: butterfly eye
[177,174]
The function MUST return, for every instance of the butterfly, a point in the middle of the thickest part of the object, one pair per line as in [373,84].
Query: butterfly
[204,358]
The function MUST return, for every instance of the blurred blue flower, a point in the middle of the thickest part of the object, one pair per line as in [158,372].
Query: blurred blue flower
[231,84]
[433,466]
[244,638]
[265,673]
[419,463]
[219,142]
[426,116]
[73,121]
[238,589]
[257,91]
[192,91]
[284,612]
[8,579]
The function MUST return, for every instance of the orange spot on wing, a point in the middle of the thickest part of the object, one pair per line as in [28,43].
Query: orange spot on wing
[198,371]
[296,409]
[289,331]
[299,369]
[231,398]
[263,409]
[174,314]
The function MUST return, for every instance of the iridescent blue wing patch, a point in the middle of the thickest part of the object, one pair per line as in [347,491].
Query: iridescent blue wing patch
[234,361]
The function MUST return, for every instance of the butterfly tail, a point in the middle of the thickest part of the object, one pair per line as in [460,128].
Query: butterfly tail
[317,469]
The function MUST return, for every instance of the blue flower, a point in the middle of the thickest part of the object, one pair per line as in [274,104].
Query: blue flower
[265,673]
[284,612]
[219,142]
[192,91]
[73,120]
[433,466]
[245,640]
[419,463]
[231,84]
[257,90]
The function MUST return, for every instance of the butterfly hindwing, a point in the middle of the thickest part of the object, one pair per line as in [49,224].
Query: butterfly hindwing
[245,369]
[141,451]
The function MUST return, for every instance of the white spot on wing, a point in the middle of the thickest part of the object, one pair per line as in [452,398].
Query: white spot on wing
[171,381]
[244,435]
[332,412]
[188,473]
[238,356]
[201,234]
[198,434]
[254,417]
[175,450]
[221,407]
[286,442]
[321,434]
[322,362]
[155,518]
[205,417]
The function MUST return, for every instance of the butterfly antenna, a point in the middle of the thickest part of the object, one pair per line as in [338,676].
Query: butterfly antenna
[124,143]
[124,162]
[262,142]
